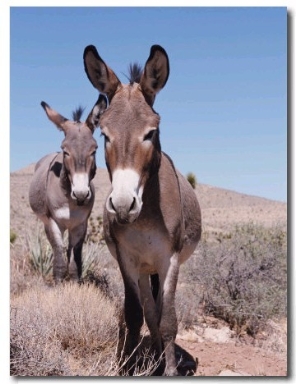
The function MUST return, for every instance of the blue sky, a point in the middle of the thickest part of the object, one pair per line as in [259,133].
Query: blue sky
[223,110]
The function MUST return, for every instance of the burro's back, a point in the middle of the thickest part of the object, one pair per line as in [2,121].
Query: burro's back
[152,220]
[191,216]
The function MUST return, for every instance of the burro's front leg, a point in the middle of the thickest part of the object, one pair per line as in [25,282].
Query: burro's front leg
[55,237]
[150,313]
[129,337]
[76,240]
[168,323]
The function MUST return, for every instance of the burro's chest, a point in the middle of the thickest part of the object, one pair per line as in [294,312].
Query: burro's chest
[142,246]
[70,215]
[144,239]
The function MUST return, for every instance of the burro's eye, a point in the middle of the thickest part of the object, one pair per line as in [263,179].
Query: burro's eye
[149,136]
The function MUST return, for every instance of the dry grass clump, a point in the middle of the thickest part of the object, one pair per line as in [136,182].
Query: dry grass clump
[65,330]
[21,275]
[240,278]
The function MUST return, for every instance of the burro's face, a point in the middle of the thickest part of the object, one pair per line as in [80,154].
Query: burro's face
[132,151]
[130,128]
[79,151]
[79,148]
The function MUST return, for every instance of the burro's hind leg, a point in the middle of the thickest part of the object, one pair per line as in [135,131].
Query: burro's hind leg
[55,236]
[76,240]
[168,323]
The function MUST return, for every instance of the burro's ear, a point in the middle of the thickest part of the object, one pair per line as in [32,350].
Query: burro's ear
[54,116]
[92,120]
[99,74]
[156,73]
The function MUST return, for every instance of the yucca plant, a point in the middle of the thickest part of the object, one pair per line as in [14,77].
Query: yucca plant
[90,258]
[40,252]
[41,255]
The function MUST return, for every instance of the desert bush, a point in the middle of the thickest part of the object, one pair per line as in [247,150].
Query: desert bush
[12,236]
[95,230]
[242,278]
[66,330]
[191,178]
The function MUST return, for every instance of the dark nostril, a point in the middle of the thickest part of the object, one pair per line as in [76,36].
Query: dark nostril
[75,197]
[111,204]
[132,205]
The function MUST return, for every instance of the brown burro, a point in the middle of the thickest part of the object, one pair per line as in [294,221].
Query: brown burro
[61,192]
[152,220]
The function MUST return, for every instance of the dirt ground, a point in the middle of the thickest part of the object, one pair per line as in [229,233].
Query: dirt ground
[215,359]
[219,352]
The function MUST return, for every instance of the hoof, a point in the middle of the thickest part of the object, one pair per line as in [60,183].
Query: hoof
[171,372]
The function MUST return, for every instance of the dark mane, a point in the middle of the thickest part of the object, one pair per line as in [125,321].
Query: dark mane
[77,113]
[135,72]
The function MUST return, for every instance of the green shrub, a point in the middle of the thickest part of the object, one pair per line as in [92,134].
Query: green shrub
[191,178]
[12,236]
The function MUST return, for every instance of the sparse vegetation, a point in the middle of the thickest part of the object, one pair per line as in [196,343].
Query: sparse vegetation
[191,178]
[238,276]
[242,277]
[41,256]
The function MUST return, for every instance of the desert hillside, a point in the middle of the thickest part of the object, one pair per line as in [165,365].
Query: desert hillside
[221,208]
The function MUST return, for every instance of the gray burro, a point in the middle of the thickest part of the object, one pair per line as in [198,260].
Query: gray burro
[152,220]
[62,194]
